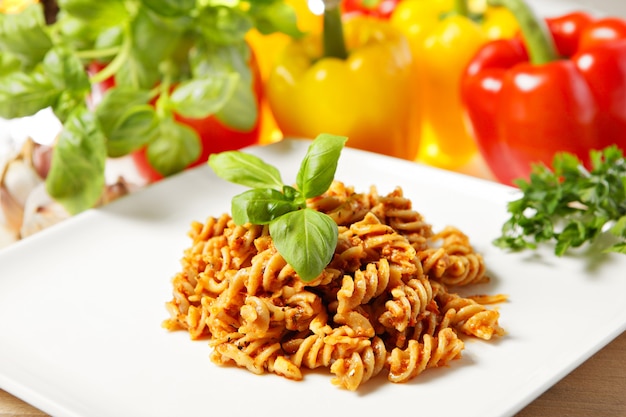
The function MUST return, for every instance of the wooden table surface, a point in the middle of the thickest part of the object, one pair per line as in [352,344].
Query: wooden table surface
[597,387]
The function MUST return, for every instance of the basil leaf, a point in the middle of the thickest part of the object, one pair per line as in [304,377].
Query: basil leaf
[8,64]
[245,169]
[277,17]
[109,38]
[75,33]
[24,34]
[292,194]
[133,73]
[210,59]
[23,94]
[67,103]
[175,148]
[202,97]
[306,239]
[116,102]
[98,14]
[136,128]
[319,165]
[153,41]
[260,206]
[170,7]
[76,178]
[65,70]
[155,38]
[223,25]
[240,112]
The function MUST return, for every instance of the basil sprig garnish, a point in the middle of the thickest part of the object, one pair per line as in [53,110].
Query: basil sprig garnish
[304,237]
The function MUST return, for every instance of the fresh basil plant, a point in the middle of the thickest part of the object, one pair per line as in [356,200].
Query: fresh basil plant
[305,238]
[166,57]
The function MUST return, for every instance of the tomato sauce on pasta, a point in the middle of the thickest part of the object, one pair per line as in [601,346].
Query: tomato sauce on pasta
[383,305]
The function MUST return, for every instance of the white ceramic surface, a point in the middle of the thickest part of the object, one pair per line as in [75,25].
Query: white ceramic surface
[81,306]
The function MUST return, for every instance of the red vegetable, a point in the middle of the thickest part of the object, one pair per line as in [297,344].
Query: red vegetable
[560,87]
[214,135]
[381,9]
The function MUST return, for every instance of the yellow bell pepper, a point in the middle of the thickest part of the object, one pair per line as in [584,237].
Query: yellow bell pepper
[14,6]
[443,37]
[364,95]
[266,48]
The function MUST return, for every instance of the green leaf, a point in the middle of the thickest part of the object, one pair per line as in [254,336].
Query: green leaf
[175,148]
[202,97]
[619,228]
[153,42]
[223,25]
[209,59]
[170,7]
[65,70]
[245,169]
[136,128]
[76,177]
[260,206]
[116,102]
[579,201]
[109,38]
[240,112]
[306,239]
[23,94]
[278,16]
[135,73]
[127,120]
[97,14]
[618,248]
[319,165]
[24,35]
[67,103]
[74,32]
[8,63]
[571,236]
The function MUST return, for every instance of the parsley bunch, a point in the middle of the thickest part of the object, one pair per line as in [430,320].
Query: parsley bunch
[570,205]
[305,238]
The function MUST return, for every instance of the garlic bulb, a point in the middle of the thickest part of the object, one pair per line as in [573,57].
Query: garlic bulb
[18,178]
[25,205]
[40,212]
[21,173]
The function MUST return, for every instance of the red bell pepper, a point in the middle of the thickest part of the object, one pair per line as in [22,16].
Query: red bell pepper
[214,135]
[560,86]
[381,9]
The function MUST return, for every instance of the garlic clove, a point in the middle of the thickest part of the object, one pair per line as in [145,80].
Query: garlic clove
[11,211]
[20,178]
[41,212]
[41,159]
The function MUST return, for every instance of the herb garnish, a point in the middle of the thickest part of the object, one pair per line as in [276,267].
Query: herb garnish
[166,57]
[305,238]
[570,205]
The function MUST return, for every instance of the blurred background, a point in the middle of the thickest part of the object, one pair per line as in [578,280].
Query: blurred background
[614,7]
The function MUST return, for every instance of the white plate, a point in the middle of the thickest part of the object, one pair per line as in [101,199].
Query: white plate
[81,306]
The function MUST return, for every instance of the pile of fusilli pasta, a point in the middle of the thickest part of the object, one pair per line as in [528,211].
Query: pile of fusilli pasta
[382,304]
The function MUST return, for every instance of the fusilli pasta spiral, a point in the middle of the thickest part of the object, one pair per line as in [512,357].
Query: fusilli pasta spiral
[383,303]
